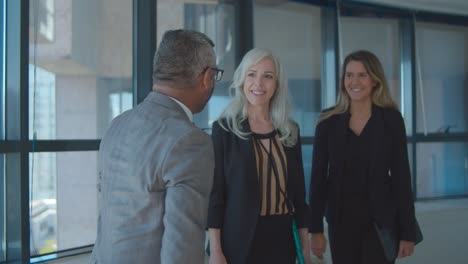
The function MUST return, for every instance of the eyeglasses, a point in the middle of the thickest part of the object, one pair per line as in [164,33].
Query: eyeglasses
[219,72]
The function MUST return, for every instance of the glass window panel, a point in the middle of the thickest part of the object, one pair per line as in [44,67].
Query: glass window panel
[2,72]
[442,90]
[380,36]
[307,161]
[301,57]
[2,136]
[63,200]
[441,169]
[216,20]
[411,163]
[2,208]
[80,57]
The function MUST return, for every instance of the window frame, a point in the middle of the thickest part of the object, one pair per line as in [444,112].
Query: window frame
[16,146]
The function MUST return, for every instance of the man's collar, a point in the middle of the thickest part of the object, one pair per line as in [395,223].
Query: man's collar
[185,108]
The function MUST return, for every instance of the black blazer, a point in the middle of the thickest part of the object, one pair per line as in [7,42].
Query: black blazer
[389,182]
[235,198]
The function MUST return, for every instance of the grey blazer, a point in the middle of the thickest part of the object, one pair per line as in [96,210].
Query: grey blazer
[155,177]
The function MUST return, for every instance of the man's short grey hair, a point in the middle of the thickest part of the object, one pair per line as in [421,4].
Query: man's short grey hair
[182,56]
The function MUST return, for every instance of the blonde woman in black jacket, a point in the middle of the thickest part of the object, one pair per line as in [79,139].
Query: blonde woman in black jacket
[360,172]
[259,181]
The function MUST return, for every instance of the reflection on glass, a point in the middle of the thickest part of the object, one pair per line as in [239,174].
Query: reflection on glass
[216,20]
[442,90]
[119,102]
[297,43]
[42,110]
[78,60]
[379,36]
[63,200]
[442,169]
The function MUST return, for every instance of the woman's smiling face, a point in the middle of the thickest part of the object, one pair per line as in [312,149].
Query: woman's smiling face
[358,83]
[260,83]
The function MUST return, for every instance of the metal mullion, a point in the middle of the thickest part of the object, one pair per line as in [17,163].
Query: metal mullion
[378,10]
[432,17]
[307,140]
[408,82]
[63,145]
[330,58]
[10,146]
[144,46]
[16,132]
[244,17]
[445,197]
[459,137]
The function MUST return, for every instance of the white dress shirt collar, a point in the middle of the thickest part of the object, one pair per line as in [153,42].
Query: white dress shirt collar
[186,110]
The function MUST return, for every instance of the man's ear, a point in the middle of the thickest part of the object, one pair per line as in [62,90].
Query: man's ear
[208,79]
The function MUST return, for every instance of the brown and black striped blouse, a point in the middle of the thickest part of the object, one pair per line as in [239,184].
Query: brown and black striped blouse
[272,173]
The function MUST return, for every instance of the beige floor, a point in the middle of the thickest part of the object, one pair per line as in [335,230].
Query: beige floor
[444,224]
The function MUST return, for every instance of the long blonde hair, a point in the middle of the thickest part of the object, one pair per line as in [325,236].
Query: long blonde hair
[236,112]
[380,94]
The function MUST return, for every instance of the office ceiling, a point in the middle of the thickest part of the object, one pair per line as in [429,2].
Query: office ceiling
[459,7]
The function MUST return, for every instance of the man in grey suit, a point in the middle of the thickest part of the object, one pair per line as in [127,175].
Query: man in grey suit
[156,167]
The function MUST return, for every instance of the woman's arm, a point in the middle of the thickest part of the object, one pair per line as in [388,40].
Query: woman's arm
[318,188]
[302,210]
[401,180]
[216,205]
[216,252]
[304,234]
[298,183]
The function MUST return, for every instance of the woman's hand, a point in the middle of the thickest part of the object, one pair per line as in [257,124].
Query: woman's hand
[217,257]
[318,244]
[406,248]
[304,236]
[306,255]
[216,252]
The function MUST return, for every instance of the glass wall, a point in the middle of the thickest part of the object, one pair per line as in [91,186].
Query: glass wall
[442,169]
[296,41]
[79,66]
[216,20]
[80,57]
[441,109]
[2,209]
[442,83]
[2,70]
[381,37]
[2,136]
[63,200]
[307,160]
[80,78]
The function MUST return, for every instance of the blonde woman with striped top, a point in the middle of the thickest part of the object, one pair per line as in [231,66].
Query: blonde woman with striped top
[259,183]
